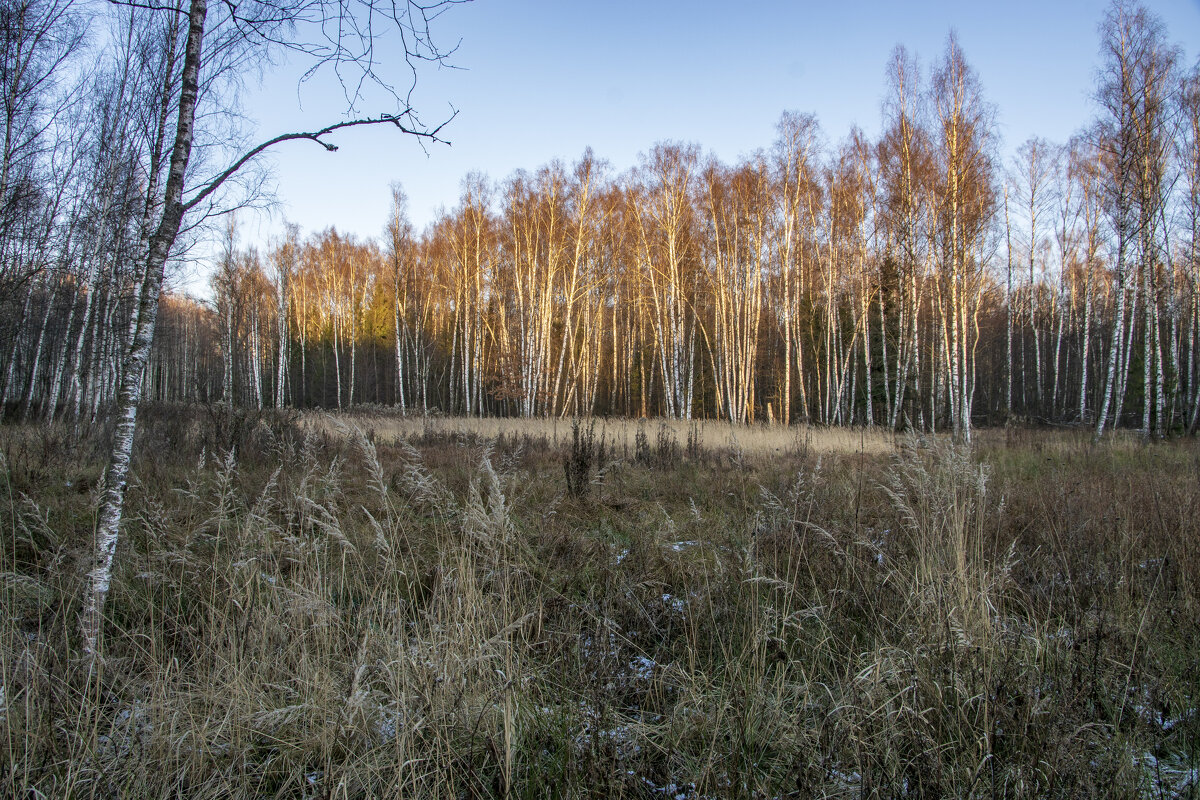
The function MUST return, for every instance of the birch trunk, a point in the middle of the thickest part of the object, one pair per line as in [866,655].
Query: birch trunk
[1110,381]
[142,329]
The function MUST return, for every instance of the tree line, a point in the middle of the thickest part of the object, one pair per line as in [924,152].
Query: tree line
[915,280]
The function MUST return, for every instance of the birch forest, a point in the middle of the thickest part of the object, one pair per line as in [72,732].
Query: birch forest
[862,465]
[932,278]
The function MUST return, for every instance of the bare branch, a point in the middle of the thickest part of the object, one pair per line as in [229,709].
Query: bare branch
[149,7]
[395,119]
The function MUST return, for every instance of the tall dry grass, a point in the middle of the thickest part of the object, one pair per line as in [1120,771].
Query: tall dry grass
[325,611]
[761,440]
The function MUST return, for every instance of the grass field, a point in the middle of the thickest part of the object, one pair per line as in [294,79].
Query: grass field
[621,434]
[359,606]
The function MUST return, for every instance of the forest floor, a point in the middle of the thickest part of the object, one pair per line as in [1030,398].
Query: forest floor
[311,606]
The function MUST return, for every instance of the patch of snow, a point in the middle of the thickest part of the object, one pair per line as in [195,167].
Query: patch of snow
[676,604]
[591,652]
[313,779]
[1155,717]
[846,779]
[389,724]
[673,791]
[620,735]
[130,727]
[642,667]
[1173,776]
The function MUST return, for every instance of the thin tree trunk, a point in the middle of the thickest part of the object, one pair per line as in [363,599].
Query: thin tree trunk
[142,328]
[1110,382]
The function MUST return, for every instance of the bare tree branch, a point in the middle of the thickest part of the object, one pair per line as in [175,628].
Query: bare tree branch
[315,136]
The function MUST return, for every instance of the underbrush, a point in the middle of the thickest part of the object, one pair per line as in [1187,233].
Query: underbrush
[326,614]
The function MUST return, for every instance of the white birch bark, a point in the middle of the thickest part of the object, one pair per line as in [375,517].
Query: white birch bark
[142,328]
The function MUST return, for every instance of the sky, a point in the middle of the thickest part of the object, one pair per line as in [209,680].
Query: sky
[537,80]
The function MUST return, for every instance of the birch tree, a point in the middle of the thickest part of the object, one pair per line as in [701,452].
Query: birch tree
[336,35]
[737,213]
[1031,181]
[284,258]
[906,169]
[399,245]
[797,193]
[1190,157]
[666,235]
[966,205]
[1134,81]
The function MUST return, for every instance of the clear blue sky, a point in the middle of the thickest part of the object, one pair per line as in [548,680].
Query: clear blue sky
[543,79]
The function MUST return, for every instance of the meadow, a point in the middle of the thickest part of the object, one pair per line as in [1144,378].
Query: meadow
[361,605]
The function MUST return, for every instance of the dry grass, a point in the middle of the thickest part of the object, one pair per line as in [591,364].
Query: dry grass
[320,610]
[754,441]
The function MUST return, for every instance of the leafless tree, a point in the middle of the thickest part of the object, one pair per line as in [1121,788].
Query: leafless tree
[340,36]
